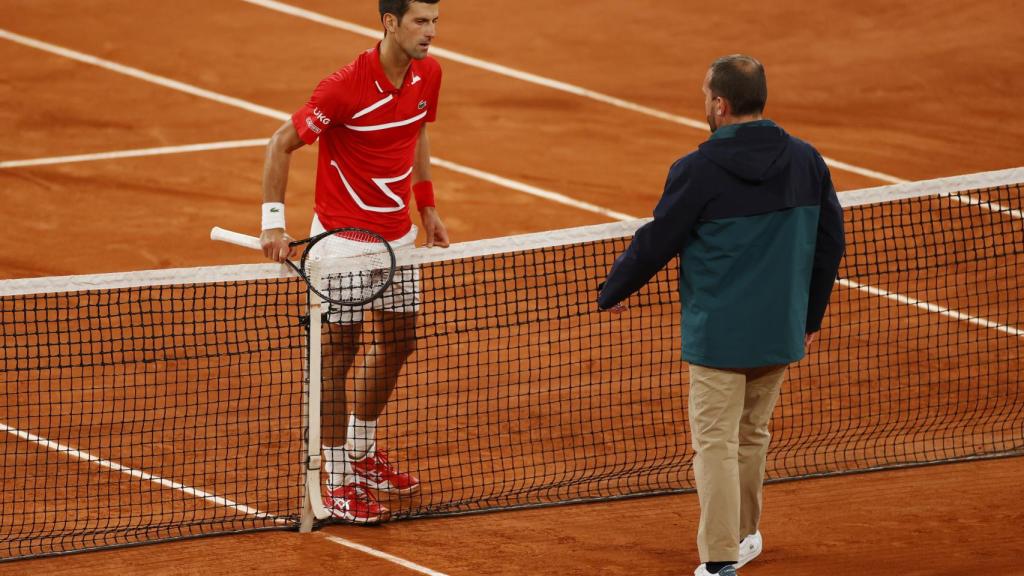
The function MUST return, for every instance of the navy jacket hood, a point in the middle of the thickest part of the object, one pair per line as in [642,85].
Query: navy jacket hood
[755,154]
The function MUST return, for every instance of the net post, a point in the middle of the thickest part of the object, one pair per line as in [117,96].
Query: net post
[312,503]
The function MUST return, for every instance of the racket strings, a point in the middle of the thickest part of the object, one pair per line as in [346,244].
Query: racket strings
[356,266]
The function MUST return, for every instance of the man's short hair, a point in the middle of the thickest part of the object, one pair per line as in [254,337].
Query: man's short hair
[399,7]
[740,79]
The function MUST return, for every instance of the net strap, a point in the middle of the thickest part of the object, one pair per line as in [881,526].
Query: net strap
[313,507]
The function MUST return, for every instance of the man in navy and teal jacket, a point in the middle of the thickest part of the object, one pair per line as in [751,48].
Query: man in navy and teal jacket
[756,223]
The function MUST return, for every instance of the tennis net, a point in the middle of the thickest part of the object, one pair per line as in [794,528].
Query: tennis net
[160,405]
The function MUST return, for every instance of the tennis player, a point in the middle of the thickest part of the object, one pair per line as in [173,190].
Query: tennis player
[757,225]
[371,119]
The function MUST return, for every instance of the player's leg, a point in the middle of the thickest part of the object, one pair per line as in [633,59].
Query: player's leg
[347,497]
[715,406]
[389,341]
[761,394]
[340,345]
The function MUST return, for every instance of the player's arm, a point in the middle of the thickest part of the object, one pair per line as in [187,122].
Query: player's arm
[423,188]
[275,180]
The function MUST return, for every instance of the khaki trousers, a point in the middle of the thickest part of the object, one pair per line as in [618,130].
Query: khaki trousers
[729,413]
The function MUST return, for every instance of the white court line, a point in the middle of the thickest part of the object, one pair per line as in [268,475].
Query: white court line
[584,93]
[541,81]
[136,153]
[384,556]
[939,187]
[141,75]
[933,308]
[202,93]
[531,190]
[87,457]
[994,207]
[270,112]
[280,115]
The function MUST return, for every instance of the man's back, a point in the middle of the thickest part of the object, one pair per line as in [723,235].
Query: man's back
[747,263]
[758,226]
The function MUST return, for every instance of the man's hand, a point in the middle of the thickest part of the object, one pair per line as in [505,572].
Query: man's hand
[808,339]
[617,309]
[276,244]
[437,234]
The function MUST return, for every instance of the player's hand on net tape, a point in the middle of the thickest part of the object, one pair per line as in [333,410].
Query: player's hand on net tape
[437,234]
[277,244]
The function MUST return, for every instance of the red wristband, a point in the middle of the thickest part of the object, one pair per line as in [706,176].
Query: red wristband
[424,192]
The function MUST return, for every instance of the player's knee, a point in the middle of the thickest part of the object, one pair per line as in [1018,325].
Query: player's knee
[406,346]
[398,347]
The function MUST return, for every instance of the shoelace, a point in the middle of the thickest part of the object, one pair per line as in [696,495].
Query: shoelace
[360,492]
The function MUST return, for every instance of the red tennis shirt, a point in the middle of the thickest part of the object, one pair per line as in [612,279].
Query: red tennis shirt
[368,131]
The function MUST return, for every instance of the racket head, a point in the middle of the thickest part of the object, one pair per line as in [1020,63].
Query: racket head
[358,265]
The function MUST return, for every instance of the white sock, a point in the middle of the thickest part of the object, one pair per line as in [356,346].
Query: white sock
[338,466]
[361,437]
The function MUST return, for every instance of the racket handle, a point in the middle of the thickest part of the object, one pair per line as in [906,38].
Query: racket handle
[245,241]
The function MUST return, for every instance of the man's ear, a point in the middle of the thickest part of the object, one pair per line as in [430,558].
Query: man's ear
[722,107]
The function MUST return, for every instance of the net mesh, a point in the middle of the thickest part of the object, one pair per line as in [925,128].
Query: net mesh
[151,412]
[146,413]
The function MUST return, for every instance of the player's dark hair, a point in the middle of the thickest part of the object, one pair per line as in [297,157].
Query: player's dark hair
[740,80]
[399,7]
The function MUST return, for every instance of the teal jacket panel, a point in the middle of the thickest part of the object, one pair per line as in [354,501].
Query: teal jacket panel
[744,288]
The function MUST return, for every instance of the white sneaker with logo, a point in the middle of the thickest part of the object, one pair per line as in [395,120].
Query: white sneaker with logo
[750,548]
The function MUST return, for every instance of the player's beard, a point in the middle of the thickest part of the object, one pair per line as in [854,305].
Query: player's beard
[415,53]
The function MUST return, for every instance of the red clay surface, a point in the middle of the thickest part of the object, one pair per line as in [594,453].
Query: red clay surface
[873,84]
[951,519]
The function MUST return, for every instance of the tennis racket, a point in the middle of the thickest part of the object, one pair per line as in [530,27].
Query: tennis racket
[366,267]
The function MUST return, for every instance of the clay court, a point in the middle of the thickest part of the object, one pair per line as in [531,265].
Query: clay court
[890,92]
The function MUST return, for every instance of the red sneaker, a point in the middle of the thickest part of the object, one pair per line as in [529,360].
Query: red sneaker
[354,503]
[377,473]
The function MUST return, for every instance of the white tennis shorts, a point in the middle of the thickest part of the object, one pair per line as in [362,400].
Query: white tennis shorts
[403,296]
